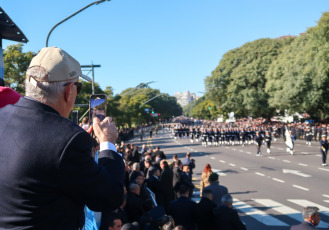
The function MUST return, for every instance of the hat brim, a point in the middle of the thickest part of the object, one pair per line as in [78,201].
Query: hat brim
[86,77]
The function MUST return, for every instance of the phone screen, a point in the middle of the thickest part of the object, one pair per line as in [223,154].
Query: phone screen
[97,107]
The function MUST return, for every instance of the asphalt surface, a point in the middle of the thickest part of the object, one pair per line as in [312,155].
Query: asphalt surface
[270,190]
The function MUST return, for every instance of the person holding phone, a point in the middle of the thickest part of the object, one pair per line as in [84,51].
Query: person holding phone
[47,172]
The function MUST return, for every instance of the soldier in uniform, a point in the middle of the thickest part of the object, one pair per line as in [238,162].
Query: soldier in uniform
[324,149]
[258,142]
[268,140]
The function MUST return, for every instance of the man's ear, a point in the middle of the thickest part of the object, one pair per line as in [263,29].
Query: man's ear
[68,92]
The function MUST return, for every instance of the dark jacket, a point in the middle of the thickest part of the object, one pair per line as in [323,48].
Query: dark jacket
[134,207]
[47,173]
[158,189]
[227,218]
[303,226]
[176,177]
[183,211]
[166,181]
[204,214]
[217,191]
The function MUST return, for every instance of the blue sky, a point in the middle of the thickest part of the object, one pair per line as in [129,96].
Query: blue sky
[177,43]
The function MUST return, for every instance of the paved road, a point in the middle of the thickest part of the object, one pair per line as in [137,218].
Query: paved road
[269,190]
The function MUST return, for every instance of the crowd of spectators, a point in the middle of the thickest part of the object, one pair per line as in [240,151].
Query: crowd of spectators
[159,191]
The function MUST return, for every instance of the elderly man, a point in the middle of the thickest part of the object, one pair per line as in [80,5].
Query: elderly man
[311,218]
[217,190]
[47,173]
[226,217]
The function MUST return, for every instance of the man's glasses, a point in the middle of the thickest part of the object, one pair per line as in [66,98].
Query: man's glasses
[78,84]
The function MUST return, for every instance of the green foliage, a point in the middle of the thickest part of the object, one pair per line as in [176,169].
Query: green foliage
[133,112]
[16,64]
[200,109]
[298,80]
[238,82]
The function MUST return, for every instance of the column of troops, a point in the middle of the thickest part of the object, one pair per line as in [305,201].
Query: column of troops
[216,135]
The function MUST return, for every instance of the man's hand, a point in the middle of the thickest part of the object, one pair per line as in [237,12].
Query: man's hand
[105,130]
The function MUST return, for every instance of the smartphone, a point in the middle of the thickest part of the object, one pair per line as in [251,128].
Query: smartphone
[97,107]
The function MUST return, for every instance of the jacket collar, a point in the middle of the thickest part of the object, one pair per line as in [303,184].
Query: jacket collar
[34,104]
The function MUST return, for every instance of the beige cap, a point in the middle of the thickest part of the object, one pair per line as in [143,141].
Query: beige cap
[60,65]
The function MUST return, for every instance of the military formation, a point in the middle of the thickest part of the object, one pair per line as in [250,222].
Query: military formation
[246,133]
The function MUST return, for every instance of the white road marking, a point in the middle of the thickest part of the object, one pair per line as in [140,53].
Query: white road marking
[278,180]
[240,150]
[300,187]
[323,210]
[273,158]
[301,164]
[245,169]
[213,158]
[259,174]
[257,214]
[324,169]
[232,165]
[222,161]
[286,161]
[234,149]
[219,172]
[295,172]
[287,211]
[304,153]
[318,155]
[326,201]
[325,195]
[280,148]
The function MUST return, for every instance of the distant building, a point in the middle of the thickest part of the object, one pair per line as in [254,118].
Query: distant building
[185,98]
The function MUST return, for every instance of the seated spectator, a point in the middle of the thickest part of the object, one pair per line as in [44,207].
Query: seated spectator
[183,210]
[204,212]
[227,218]
[217,190]
[311,218]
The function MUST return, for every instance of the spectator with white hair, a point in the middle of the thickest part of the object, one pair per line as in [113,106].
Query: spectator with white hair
[226,217]
[311,218]
[48,173]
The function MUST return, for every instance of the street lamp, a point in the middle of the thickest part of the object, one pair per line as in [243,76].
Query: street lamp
[94,3]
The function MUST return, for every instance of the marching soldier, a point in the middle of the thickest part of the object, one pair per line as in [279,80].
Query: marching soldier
[268,140]
[324,149]
[258,142]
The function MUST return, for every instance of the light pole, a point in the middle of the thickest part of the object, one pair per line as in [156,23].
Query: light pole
[94,3]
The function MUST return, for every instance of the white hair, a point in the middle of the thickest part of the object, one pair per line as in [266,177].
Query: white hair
[46,92]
